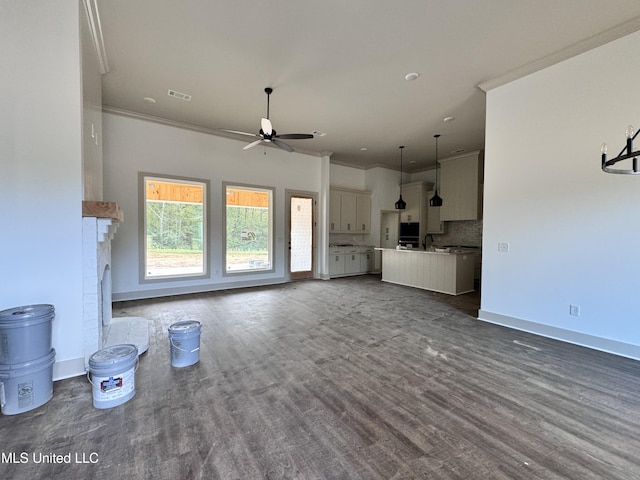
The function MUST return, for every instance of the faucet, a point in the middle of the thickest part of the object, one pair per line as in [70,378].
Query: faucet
[424,244]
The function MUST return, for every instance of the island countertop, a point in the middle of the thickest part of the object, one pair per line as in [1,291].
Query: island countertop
[451,251]
[448,272]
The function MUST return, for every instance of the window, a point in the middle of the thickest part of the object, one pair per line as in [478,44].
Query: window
[248,229]
[174,242]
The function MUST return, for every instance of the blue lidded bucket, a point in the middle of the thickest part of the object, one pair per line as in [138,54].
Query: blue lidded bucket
[26,385]
[184,338]
[25,333]
[112,373]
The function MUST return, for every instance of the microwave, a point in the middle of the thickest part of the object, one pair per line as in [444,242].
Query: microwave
[409,230]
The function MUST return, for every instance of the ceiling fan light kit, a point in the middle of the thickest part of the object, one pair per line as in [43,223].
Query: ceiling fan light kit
[268,135]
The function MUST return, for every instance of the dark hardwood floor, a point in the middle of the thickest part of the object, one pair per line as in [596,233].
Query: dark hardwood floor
[344,379]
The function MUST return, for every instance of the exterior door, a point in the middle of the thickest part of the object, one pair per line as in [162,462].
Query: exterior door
[301,235]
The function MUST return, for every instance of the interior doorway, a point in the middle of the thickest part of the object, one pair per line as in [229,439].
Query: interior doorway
[301,213]
[389,225]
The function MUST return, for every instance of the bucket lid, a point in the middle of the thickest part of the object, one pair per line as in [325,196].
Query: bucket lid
[113,355]
[180,327]
[27,312]
[17,369]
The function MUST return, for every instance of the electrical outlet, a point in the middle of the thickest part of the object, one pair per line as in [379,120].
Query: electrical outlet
[574,310]
[503,247]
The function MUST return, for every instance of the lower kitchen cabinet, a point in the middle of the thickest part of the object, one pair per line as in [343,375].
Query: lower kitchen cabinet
[356,260]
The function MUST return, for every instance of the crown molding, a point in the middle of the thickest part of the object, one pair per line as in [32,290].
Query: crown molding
[590,43]
[95,28]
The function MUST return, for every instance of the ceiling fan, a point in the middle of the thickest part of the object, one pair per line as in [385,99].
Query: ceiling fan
[268,135]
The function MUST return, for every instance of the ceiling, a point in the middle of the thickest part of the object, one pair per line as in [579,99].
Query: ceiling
[339,66]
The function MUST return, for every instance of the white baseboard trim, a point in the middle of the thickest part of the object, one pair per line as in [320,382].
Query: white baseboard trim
[585,340]
[68,368]
[169,291]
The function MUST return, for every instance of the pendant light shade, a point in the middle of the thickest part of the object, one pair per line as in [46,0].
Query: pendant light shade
[401,204]
[436,201]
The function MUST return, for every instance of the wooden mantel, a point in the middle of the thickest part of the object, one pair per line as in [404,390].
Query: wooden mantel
[102,210]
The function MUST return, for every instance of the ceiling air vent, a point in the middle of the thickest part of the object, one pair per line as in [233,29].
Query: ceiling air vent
[181,96]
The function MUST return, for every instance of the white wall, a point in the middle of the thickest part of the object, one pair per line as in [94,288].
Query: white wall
[132,145]
[91,114]
[573,230]
[41,165]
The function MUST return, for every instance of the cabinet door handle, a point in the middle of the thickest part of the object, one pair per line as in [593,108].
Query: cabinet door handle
[333,226]
[363,227]
[348,226]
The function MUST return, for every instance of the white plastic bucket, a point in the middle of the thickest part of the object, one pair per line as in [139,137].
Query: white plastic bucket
[27,385]
[25,333]
[112,373]
[184,338]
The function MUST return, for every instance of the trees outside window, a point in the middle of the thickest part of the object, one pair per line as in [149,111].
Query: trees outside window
[174,238]
[248,229]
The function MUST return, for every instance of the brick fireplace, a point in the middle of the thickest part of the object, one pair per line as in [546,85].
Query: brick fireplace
[100,221]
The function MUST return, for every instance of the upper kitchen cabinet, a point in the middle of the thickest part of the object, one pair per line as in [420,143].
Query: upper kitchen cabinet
[434,224]
[349,211]
[416,195]
[460,187]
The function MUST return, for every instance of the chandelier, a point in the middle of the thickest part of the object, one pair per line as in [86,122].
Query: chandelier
[625,154]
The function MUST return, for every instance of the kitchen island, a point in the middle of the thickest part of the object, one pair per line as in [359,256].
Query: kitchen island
[448,271]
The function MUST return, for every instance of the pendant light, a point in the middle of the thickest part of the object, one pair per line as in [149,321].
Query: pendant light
[436,201]
[401,204]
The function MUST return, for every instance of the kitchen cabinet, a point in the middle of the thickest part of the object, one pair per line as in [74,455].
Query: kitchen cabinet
[349,211]
[434,224]
[336,262]
[366,259]
[460,187]
[416,195]
[363,213]
[351,260]
[412,195]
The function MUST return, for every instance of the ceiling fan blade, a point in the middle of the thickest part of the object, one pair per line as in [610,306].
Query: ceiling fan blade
[252,144]
[239,133]
[282,145]
[294,136]
[266,126]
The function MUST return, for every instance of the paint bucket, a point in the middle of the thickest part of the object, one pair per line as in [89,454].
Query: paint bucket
[26,385]
[25,333]
[184,338]
[112,373]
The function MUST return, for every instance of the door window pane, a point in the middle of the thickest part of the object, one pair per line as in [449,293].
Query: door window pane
[301,234]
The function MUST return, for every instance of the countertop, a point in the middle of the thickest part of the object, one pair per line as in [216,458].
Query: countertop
[432,251]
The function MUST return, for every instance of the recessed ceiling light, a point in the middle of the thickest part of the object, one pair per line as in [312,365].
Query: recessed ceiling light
[363,149]
[149,100]
[448,119]
[412,161]
[409,77]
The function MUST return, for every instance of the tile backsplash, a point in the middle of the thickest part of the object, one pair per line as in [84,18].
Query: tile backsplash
[468,232]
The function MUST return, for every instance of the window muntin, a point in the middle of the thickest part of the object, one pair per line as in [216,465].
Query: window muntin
[248,229]
[174,241]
